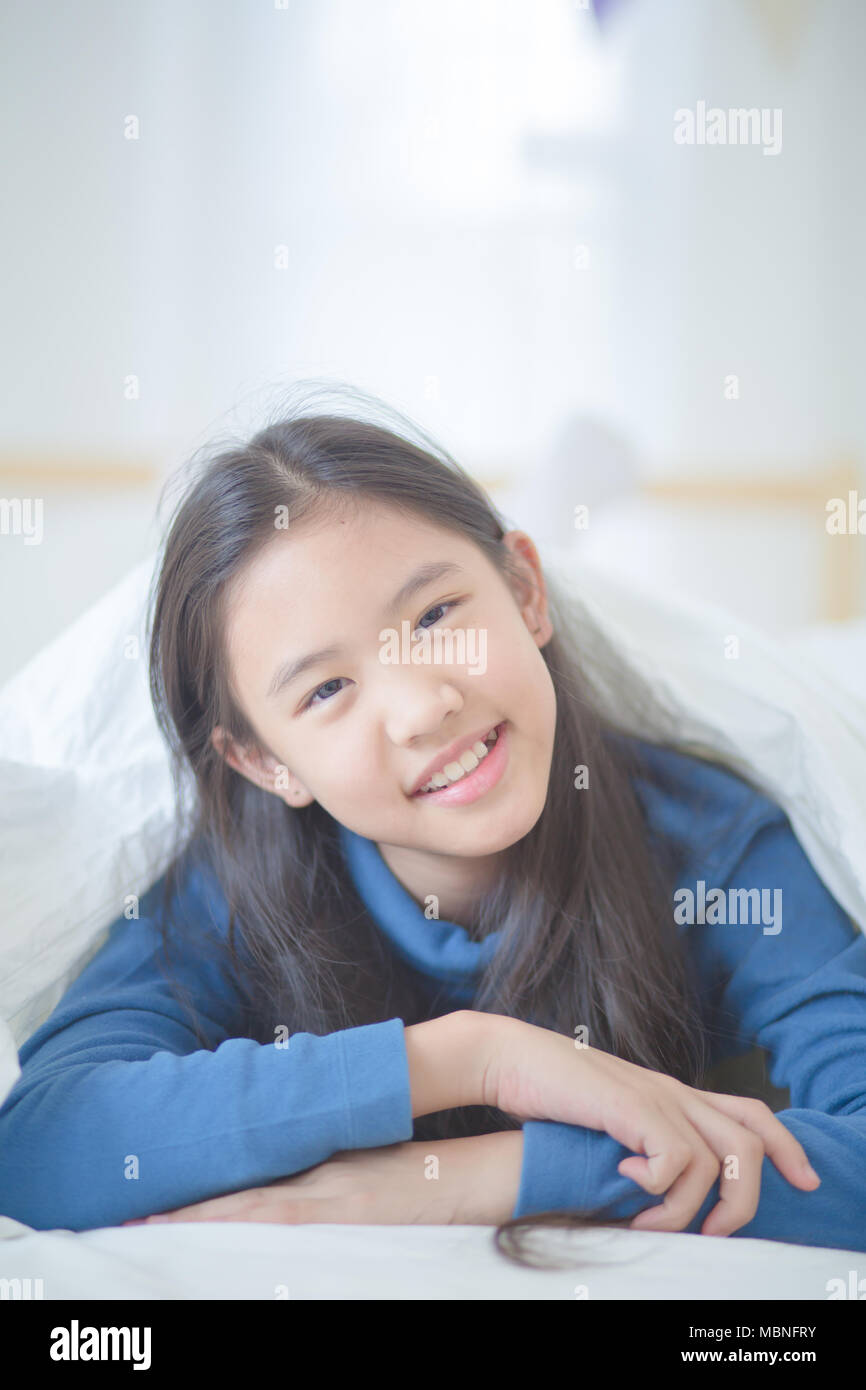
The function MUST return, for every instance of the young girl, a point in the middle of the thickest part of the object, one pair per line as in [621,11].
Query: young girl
[438,943]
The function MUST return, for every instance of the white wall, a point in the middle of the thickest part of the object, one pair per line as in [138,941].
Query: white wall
[739,262]
[431,169]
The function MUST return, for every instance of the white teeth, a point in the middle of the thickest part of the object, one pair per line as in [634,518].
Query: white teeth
[469,760]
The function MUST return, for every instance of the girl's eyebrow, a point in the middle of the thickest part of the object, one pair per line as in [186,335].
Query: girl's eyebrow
[292,668]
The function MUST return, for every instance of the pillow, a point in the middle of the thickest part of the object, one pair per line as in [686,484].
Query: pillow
[87,805]
[10,1067]
[839,647]
[86,808]
[750,703]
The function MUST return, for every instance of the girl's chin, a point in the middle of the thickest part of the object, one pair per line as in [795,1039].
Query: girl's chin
[491,835]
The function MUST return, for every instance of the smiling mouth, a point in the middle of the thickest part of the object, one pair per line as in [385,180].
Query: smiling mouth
[461,767]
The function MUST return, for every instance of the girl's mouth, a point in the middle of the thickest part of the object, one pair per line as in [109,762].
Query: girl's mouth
[458,784]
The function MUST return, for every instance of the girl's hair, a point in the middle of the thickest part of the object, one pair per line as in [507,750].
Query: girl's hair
[583,903]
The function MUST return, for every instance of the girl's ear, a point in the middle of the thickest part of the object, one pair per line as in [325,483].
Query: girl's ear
[262,769]
[532,598]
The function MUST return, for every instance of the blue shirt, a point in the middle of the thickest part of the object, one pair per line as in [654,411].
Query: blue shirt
[120,1111]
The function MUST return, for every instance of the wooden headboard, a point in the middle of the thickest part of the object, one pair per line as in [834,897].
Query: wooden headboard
[808,492]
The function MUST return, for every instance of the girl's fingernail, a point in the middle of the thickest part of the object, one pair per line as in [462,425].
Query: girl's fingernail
[148,1219]
[810,1172]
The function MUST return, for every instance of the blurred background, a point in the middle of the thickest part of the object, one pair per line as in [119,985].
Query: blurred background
[486,212]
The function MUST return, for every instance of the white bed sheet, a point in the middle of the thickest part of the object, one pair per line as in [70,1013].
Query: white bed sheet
[222,1260]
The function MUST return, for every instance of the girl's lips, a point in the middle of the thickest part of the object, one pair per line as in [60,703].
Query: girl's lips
[476,782]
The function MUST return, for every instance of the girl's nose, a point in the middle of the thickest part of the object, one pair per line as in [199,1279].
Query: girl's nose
[416,708]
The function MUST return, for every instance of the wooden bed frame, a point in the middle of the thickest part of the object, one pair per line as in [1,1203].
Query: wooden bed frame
[810,493]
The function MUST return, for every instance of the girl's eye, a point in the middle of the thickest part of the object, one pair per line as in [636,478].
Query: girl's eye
[313,700]
[325,692]
[437,608]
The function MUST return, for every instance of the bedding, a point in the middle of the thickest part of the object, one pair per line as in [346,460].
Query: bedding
[249,1260]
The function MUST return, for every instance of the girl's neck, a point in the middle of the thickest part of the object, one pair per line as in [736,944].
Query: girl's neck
[458,885]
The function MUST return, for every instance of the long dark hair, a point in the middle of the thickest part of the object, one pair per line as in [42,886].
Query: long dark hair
[584,900]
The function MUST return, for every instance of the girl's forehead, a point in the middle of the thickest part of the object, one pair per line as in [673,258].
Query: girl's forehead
[361,516]
[363,550]
[368,540]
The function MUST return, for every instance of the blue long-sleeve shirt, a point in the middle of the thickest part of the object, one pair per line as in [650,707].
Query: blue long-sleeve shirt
[120,1111]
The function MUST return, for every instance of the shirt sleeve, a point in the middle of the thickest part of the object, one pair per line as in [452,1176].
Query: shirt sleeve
[796,987]
[119,1112]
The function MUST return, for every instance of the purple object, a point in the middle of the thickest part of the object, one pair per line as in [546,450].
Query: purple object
[603,10]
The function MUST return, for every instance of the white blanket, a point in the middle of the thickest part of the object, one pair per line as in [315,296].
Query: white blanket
[250,1260]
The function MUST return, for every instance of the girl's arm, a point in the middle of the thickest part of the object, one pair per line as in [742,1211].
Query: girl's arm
[799,992]
[119,1111]
[466,1182]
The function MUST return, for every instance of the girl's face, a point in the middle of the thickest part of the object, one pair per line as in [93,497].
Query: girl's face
[359,726]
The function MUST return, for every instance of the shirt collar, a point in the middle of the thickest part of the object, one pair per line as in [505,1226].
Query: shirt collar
[442,950]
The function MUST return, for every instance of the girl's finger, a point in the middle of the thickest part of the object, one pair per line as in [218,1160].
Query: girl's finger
[662,1143]
[740,1154]
[686,1195]
[786,1152]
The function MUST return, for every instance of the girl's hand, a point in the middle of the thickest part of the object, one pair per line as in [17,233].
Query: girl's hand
[470,1181]
[684,1139]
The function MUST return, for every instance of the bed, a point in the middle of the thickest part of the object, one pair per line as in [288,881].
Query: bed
[235,1260]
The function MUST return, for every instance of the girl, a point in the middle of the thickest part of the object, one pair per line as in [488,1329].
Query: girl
[421,953]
